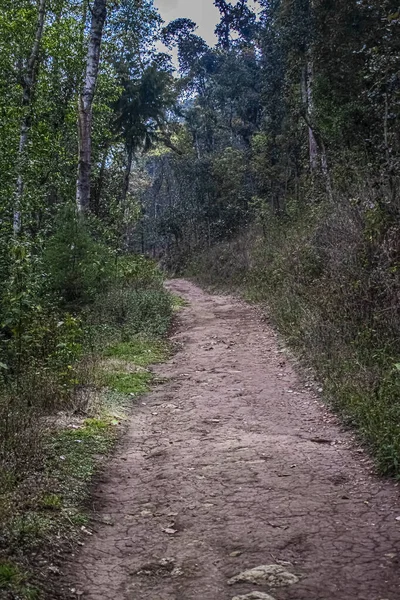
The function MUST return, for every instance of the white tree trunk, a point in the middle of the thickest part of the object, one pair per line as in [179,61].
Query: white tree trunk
[99,13]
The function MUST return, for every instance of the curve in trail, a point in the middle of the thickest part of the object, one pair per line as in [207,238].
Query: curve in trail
[232,464]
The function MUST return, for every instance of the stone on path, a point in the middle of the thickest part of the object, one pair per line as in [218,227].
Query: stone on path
[254,596]
[272,575]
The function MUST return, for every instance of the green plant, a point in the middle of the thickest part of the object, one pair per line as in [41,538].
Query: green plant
[128,383]
[13,579]
[78,267]
[131,311]
[51,502]
[141,351]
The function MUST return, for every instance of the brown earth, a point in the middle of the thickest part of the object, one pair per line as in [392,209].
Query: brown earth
[231,464]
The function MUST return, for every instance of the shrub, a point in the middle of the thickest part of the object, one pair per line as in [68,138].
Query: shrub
[78,268]
[133,311]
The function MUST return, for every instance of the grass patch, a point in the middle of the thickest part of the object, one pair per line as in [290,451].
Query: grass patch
[140,351]
[73,458]
[45,487]
[178,302]
[129,383]
[51,502]
[14,581]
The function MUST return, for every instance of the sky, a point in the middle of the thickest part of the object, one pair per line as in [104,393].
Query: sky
[202,12]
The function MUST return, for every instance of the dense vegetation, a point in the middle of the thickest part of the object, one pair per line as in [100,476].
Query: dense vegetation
[268,163]
[287,186]
[81,317]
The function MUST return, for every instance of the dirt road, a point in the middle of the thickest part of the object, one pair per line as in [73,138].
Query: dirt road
[233,464]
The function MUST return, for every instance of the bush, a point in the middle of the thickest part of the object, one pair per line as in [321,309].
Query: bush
[129,312]
[78,267]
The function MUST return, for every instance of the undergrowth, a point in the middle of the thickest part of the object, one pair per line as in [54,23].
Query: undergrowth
[93,364]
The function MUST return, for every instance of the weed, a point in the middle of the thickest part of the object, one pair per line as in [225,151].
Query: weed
[10,575]
[178,302]
[51,502]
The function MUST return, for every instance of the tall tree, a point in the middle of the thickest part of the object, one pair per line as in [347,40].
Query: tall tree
[28,81]
[99,14]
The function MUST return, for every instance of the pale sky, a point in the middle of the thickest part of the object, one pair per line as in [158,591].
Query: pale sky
[202,12]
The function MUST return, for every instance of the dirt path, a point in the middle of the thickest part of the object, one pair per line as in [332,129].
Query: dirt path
[233,464]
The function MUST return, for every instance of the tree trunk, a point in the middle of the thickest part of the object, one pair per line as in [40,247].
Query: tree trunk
[95,204]
[127,178]
[310,109]
[28,85]
[99,14]
[308,103]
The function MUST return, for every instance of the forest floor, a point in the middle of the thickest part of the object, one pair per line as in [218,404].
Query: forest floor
[234,463]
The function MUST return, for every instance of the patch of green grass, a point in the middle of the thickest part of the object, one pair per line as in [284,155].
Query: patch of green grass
[77,518]
[74,452]
[13,580]
[10,575]
[142,351]
[51,502]
[178,302]
[129,383]
[29,529]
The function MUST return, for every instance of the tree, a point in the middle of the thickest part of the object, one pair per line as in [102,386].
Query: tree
[98,14]
[28,80]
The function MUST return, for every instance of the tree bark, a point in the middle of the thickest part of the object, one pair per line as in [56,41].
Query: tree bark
[308,102]
[322,152]
[28,85]
[95,201]
[99,14]
[127,178]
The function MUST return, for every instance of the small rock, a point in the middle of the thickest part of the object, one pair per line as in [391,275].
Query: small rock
[236,554]
[254,596]
[53,569]
[272,575]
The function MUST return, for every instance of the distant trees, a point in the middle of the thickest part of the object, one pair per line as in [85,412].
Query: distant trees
[303,89]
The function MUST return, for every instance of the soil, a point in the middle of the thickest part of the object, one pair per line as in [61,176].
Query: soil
[232,464]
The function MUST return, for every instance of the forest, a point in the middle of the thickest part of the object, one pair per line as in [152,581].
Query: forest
[267,165]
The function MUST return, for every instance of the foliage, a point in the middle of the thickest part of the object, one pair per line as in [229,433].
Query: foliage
[78,266]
